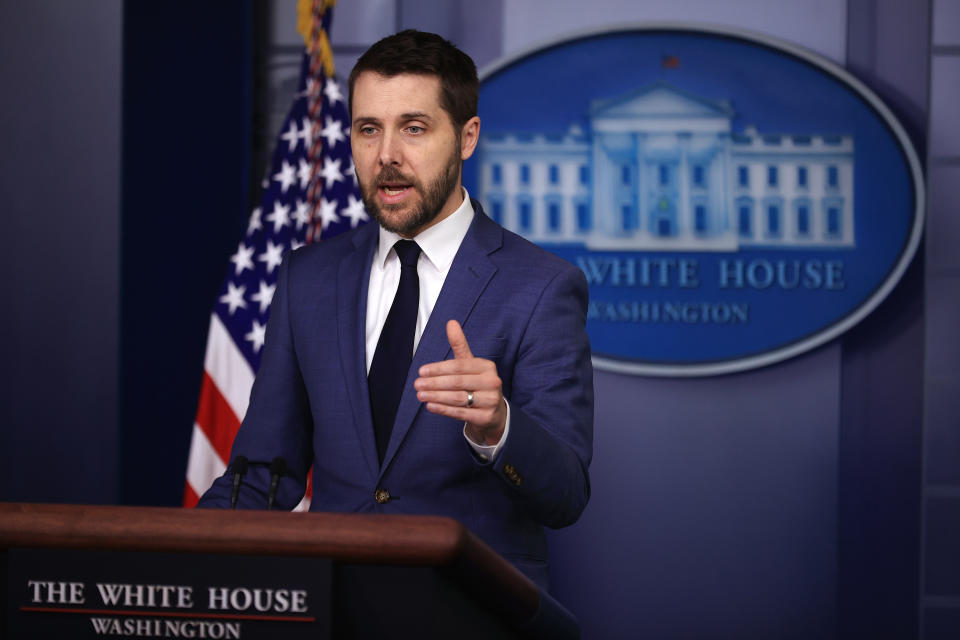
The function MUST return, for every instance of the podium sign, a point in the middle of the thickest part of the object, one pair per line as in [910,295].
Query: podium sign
[60,593]
[80,571]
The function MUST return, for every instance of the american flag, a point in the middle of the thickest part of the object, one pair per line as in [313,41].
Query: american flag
[291,213]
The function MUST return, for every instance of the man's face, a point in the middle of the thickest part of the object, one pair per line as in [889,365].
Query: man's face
[406,151]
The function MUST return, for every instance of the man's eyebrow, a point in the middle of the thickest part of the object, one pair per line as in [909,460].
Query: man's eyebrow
[416,115]
[404,117]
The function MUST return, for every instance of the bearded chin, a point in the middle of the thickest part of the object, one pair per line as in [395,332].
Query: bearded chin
[432,200]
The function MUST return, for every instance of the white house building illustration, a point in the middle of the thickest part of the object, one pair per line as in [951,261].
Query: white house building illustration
[662,169]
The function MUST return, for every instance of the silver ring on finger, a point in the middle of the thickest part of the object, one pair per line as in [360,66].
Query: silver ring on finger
[469,398]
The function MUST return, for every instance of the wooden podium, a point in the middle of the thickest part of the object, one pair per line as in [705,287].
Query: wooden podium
[390,576]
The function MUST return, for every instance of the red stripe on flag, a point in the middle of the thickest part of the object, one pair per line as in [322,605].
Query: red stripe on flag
[190,497]
[218,421]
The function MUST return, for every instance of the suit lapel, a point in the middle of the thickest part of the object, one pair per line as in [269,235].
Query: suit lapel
[469,274]
[352,284]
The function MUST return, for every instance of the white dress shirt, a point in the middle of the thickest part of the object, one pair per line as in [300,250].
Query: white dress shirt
[438,246]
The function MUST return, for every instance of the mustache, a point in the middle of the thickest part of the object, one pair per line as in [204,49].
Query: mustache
[391,174]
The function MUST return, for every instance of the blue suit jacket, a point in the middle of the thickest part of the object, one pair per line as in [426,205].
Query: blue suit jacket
[519,306]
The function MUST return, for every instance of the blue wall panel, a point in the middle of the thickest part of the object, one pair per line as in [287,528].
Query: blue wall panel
[186,153]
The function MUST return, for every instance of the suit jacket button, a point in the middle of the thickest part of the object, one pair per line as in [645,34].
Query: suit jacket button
[511,472]
[382,496]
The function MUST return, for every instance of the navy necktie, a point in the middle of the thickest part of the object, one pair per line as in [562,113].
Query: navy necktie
[391,360]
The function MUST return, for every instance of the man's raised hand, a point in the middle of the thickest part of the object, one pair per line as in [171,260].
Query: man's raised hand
[465,388]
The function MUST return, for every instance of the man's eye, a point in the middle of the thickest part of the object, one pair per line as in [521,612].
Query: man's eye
[415,130]
[368,131]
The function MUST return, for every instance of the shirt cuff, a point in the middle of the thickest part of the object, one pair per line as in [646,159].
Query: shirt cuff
[489,452]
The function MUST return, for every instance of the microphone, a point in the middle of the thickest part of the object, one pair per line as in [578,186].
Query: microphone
[239,467]
[277,469]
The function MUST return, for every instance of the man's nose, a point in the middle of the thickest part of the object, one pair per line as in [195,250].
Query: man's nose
[390,153]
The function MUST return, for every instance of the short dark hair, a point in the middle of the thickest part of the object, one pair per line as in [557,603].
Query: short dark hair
[423,53]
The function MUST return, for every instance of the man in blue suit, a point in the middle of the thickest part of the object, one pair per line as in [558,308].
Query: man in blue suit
[434,363]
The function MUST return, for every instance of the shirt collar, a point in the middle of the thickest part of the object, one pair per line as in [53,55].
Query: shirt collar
[438,243]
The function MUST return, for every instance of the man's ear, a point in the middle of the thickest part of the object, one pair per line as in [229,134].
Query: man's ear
[469,136]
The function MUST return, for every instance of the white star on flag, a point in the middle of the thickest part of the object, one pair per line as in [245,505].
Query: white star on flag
[280,216]
[328,212]
[291,136]
[264,296]
[306,132]
[255,223]
[355,211]
[303,173]
[257,335]
[302,214]
[309,89]
[352,172]
[294,245]
[234,297]
[285,177]
[331,172]
[243,258]
[332,132]
[273,256]
[332,90]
